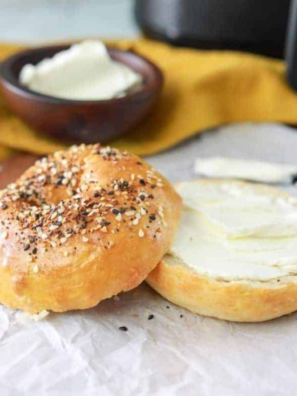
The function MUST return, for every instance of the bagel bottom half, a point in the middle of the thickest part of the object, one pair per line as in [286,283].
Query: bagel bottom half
[252,298]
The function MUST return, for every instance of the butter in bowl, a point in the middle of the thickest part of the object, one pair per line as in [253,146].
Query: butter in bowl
[86,92]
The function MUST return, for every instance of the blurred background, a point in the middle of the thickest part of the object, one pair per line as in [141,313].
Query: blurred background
[216,79]
[250,25]
[36,20]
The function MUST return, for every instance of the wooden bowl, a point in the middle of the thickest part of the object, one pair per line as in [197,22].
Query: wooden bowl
[77,121]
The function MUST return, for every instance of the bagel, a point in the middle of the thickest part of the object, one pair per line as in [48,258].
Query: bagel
[235,252]
[80,226]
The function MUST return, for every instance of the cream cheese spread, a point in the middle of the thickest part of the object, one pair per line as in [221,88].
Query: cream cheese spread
[231,231]
[85,71]
[219,167]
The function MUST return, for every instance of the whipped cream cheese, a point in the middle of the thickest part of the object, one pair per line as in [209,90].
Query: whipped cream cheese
[219,167]
[85,71]
[231,231]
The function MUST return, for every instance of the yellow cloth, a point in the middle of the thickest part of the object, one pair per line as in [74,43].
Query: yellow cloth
[203,89]
[5,153]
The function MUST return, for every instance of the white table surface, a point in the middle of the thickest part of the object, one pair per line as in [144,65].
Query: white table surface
[84,353]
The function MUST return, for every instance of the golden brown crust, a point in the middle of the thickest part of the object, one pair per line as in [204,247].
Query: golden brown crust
[233,301]
[236,301]
[82,226]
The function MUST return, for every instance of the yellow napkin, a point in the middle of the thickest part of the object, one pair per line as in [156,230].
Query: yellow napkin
[203,89]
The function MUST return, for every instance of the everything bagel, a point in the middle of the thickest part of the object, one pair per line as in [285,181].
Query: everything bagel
[80,226]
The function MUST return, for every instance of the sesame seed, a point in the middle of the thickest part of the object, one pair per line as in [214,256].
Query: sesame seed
[142,211]
[123,328]
[119,217]
[141,233]
[4,235]
[54,215]
[129,213]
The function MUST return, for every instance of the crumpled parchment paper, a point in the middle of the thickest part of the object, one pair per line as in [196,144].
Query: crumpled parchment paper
[176,353]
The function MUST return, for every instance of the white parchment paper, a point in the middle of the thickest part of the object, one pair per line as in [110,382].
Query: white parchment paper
[176,353]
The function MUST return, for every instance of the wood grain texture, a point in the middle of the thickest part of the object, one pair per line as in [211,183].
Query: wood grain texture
[12,168]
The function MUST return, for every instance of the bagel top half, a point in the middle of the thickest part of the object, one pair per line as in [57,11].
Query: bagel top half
[80,226]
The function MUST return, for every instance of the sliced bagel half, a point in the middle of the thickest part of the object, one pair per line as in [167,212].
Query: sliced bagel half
[235,253]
